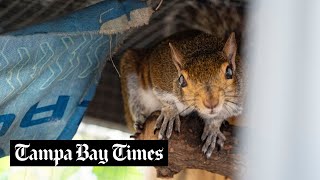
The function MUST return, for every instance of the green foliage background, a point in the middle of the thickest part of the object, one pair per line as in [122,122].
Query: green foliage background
[67,173]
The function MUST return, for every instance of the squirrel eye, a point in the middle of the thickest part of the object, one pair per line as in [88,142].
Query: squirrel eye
[229,72]
[182,81]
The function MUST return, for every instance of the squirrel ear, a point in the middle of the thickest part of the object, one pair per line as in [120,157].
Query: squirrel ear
[176,57]
[230,50]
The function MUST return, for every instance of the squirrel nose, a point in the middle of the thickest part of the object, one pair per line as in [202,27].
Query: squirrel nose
[210,104]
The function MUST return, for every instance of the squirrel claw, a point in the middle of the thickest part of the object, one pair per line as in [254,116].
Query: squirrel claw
[135,135]
[158,123]
[211,136]
[165,122]
[177,124]
[139,127]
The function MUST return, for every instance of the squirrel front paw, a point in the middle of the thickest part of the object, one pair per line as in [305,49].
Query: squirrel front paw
[211,135]
[168,118]
[138,126]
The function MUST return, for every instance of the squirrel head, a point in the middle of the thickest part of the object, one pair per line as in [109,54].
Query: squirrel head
[208,81]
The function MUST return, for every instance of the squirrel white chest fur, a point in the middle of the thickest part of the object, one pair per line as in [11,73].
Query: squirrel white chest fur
[150,101]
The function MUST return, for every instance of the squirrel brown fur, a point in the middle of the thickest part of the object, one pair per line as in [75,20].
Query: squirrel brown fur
[188,72]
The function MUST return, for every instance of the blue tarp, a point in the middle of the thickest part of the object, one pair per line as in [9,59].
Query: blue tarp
[49,72]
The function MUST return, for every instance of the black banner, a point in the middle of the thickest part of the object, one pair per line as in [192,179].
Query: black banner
[88,153]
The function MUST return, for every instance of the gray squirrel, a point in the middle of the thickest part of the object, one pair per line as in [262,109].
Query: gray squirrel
[188,72]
